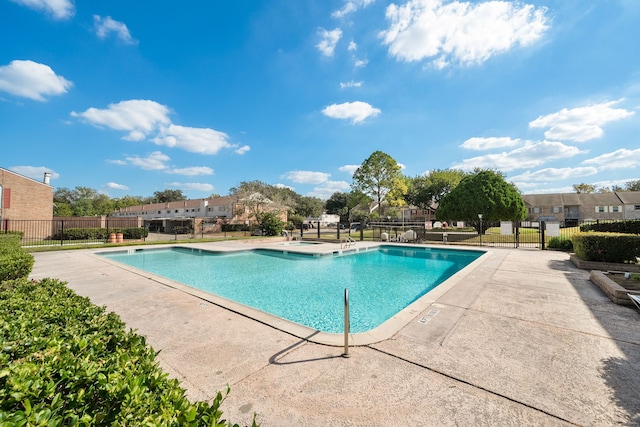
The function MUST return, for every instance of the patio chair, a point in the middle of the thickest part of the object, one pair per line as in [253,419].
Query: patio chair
[635,299]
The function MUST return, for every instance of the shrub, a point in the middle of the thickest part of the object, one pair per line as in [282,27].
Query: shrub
[560,243]
[234,227]
[100,233]
[606,247]
[14,232]
[65,362]
[14,261]
[627,227]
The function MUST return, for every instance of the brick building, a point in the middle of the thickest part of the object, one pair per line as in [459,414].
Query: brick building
[572,208]
[23,198]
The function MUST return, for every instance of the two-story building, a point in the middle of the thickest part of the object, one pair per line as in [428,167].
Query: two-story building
[572,208]
[23,199]
[206,215]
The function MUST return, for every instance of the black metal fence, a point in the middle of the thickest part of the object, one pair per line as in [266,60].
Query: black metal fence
[95,231]
[74,231]
[507,234]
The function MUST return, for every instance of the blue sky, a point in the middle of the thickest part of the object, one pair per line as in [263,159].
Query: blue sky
[135,97]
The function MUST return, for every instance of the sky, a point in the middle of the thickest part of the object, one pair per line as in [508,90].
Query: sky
[130,98]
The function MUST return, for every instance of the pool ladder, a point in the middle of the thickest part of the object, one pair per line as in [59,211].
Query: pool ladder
[347,242]
[347,325]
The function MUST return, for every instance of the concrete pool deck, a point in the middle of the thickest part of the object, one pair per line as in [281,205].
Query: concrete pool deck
[522,339]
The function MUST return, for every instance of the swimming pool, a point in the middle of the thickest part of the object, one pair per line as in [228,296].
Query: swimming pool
[308,288]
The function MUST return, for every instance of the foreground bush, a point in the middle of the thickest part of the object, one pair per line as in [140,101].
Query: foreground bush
[607,247]
[560,243]
[63,361]
[15,263]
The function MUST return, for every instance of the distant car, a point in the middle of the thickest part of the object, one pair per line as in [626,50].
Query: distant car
[257,232]
[356,226]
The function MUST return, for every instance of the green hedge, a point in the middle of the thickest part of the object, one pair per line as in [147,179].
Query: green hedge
[607,247]
[101,233]
[560,243]
[17,233]
[235,227]
[15,263]
[626,227]
[63,361]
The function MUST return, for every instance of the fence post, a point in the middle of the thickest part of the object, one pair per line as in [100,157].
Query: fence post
[542,237]
[62,232]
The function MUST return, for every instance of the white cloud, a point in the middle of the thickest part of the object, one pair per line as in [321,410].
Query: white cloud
[350,84]
[350,169]
[306,177]
[352,46]
[555,174]
[619,159]
[139,117]
[154,161]
[355,111]
[34,172]
[106,26]
[31,80]
[328,188]
[460,31]
[116,186]
[351,6]
[480,144]
[284,186]
[582,123]
[59,9]
[329,41]
[195,140]
[359,63]
[197,186]
[192,171]
[242,150]
[530,155]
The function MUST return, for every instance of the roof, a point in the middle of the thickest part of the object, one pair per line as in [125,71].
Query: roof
[576,199]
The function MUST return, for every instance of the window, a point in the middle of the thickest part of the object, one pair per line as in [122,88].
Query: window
[536,210]
[614,208]
[601,209]
[637,207]
[159,212]
[556,209]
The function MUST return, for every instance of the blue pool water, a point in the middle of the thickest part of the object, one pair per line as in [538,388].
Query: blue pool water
[309,289]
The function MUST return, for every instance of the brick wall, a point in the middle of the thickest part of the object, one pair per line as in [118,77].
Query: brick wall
[24,198]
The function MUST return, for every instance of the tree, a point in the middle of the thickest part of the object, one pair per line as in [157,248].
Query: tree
[632,185]
[425,190]
[343,204]
[271,224]
[483,192]
[307,206]
[380,178]
[584,188]
[168,195]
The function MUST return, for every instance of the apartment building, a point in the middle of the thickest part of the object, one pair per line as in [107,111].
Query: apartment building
[569,208]
[209,214]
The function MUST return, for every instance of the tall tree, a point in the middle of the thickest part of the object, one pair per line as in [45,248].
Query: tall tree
[425,190]
[632,185]
[380,178]
[483,192]
[168,195]
[584,188]
[343,203]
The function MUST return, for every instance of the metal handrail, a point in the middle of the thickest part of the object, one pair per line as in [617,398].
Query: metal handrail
[347,325]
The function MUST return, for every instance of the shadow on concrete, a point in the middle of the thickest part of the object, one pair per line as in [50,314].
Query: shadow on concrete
[273,360]
[622,375]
